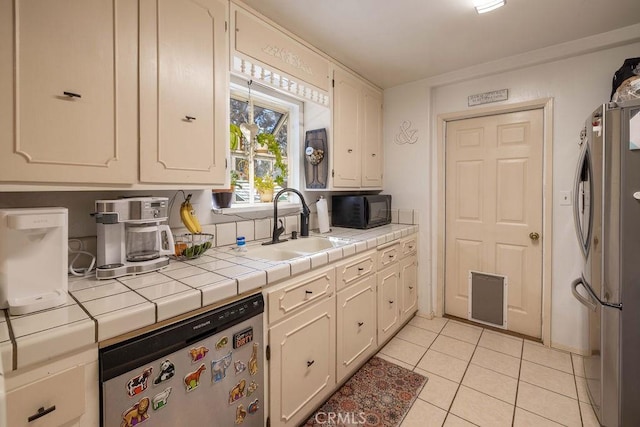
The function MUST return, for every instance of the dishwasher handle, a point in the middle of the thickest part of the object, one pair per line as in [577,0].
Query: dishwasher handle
[589,303]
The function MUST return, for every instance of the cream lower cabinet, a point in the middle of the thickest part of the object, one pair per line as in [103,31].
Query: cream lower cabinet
[61,393]
[356,325]
[183,91]
[408,255]
[301,316]
[408,286]
[388,302]
[68,78]
[302,363]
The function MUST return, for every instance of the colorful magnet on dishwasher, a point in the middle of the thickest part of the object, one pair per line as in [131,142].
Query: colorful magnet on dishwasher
[237,392]
[138,384]
[198,353]
[219,368]
[252,387]
[239,366]
[167,370]
[243,337]
[222,342]
[159,401]
[136,414]
[253,406]
[192,379]
[241,414]
[253,360]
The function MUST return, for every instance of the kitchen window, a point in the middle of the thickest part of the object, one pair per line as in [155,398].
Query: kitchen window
[251,163]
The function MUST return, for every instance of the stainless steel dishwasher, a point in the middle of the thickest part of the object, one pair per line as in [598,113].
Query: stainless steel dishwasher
[206,370]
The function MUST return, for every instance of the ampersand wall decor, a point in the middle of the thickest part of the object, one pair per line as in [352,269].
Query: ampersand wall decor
[406,134]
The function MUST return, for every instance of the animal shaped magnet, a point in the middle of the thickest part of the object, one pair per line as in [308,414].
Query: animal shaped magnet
[251,388]
[253,360]
[237,392]
[219,368]
[241,414]
[222,342]
[198,353]
[239,366]
[192,379]
[167,370]
[137,414]
[159,401]
[139,383]
[253,407]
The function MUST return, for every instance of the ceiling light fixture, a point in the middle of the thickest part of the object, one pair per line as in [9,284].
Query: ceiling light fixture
[489,6]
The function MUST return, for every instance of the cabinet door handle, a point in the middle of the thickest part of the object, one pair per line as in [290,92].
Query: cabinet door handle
[360,324]
[349,150]
[308,292]
[310,362]
[410,287]
[360,268]
[72,95]
[373,154]
[189,118]
[41,413]
[390,301]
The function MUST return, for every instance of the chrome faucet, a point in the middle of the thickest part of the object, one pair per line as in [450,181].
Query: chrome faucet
[304,217]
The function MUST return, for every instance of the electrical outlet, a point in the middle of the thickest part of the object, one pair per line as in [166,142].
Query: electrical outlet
[565,198]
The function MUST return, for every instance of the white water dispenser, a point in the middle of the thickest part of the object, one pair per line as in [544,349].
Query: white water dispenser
[33,259]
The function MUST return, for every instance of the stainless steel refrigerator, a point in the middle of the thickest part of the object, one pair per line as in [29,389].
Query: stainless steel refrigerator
[607,218]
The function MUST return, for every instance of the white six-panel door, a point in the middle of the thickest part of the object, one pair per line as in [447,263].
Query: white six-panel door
[494,212]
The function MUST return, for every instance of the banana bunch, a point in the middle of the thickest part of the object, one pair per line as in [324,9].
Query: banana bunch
[188,216]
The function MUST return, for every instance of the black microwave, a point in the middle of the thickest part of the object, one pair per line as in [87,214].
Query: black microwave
[365,211]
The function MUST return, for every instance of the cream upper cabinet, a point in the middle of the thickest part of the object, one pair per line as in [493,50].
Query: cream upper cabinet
[347,130]
[372,138]
[68,77]
[184,95]
[357,133]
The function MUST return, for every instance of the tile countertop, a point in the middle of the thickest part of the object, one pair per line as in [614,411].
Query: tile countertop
[97,310]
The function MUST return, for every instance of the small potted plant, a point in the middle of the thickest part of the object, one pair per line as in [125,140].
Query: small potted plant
[265,185]
[224,197]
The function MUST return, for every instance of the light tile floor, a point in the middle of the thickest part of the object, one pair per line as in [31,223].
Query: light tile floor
[485,378]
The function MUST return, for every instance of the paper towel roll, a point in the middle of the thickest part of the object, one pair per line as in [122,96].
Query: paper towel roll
[323,215]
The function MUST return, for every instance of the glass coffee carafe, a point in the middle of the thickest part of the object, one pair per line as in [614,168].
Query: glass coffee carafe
[145,242]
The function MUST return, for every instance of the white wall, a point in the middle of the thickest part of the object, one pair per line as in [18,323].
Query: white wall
[577,85]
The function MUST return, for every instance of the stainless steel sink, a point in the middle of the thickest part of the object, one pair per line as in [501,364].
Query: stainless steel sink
[295,248]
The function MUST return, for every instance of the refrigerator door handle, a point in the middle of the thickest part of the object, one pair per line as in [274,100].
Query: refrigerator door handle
[586,302]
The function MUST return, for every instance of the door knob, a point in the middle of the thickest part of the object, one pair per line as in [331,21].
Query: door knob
[534,236]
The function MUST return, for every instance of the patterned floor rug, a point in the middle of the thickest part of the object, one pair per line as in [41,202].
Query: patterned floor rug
[379,394]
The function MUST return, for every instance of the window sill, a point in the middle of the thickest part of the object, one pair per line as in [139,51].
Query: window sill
[257,207]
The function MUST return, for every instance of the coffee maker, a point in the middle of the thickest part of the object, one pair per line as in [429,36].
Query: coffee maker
[131,238]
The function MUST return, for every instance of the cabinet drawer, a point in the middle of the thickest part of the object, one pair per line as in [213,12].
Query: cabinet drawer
[300,293]
[388,255]
[408,246]
[350,271]
[52,401]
